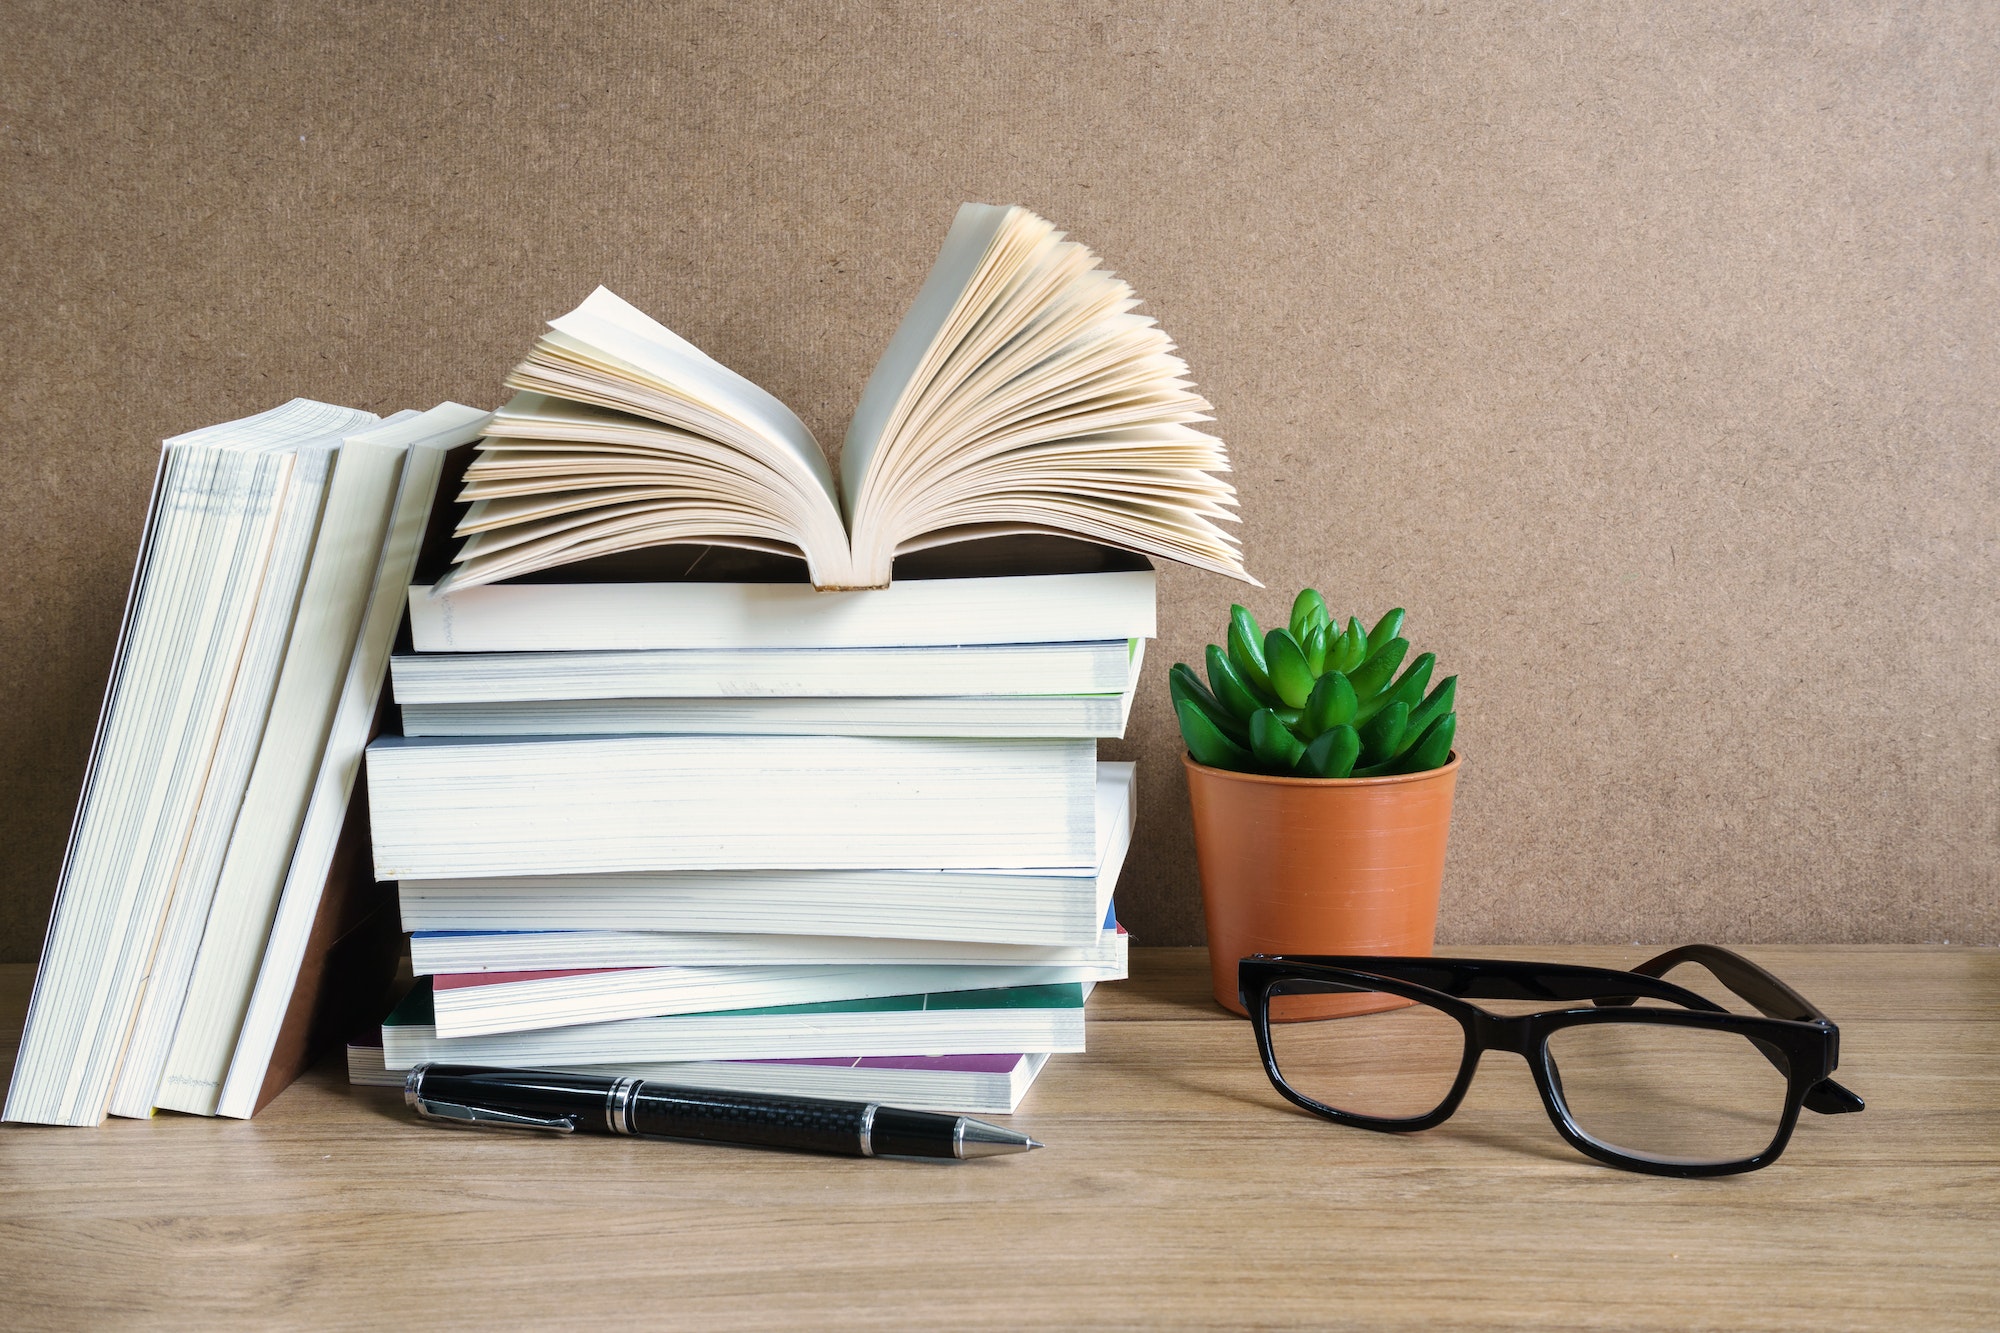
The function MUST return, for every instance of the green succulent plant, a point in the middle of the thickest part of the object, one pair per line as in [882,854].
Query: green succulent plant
[1315,699]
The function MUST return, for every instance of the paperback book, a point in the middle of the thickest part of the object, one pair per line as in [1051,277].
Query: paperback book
[441,951]
[221,512]
[622,804]
[1050,906]
[1025,1018]
[962,1084]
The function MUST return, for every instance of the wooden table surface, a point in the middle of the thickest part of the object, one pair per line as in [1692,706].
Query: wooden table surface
[1177,1190]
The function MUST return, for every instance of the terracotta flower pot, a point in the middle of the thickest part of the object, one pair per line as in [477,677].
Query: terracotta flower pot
[1312,865]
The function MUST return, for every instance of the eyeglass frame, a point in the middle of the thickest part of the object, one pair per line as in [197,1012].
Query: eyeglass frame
[1789,1025]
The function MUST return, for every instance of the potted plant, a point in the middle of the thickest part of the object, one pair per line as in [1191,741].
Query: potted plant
[1321,782]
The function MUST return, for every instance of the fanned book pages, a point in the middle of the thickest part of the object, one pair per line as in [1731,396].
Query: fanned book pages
[1021,394]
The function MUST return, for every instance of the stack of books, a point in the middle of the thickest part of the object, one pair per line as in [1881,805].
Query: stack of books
[705,755]
[767,845]
[718,770]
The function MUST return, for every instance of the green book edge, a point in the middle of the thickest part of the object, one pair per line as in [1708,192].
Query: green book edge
[416,1009]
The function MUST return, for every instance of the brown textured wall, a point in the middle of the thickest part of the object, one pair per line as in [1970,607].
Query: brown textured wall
[1645,352]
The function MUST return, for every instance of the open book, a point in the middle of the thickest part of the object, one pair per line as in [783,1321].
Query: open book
[1021,394]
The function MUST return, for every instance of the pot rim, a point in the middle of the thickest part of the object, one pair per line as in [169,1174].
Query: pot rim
[1276,780]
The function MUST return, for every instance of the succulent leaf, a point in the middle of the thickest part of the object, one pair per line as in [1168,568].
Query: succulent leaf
[1332,753]
[1308,610]
[1432,749]
[1285,660]
[1387,628]
[1246,649]
[1273,743]
[1435,705]
[1369,678]
[1331,704]
[1409,687]
[1351,649]
[1379,738]
[1229,687]
[1206,742]
[1315,643]
[1184,686]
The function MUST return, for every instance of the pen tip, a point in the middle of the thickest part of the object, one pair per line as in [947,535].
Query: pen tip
[976,1138]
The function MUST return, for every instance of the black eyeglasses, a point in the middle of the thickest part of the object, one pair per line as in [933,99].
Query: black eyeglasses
[1652,1077]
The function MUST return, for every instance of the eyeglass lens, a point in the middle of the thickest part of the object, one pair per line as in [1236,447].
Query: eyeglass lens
[1673,1094]
[1367,1053]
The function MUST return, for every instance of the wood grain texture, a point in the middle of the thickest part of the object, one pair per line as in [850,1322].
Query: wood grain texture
[1647,354]
[1177,1191]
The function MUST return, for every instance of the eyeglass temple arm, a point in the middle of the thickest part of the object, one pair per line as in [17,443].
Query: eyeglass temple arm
[1757,986]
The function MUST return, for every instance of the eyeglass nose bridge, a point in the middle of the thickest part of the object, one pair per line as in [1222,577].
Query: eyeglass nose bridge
[1502,1032]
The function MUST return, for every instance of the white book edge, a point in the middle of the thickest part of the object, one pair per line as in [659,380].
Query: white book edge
[717,893]
[332,603]
[607,996]
[531,617]
[248,712]
[991,717]
[465,953]
[1100,666]
[937,1032]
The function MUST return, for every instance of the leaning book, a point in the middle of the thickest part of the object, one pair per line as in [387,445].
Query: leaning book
[219,517]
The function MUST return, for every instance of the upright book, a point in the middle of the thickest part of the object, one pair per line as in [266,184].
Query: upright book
[206,998]
[266,985]
[1020,394]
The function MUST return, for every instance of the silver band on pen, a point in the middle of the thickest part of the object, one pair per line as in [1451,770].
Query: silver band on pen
[618,1105]
[868,1130]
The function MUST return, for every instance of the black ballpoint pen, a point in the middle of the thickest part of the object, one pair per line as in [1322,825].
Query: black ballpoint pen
[472,1096]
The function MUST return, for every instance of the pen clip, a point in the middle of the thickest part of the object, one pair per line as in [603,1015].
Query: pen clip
[482,1117]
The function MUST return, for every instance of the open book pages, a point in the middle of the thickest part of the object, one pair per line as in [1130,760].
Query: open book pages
[1020,394]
